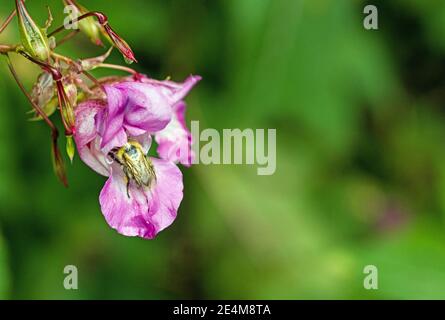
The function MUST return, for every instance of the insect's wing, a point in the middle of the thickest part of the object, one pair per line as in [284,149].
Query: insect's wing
[149,174]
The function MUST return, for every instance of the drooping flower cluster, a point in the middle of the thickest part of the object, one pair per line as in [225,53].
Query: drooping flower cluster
[113,120]
[132,114]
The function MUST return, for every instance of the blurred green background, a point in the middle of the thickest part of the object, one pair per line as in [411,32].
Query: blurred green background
[360,176]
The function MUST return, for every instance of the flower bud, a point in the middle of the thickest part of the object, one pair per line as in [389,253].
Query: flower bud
[120,44]
[114,38]
[70,149]
[33,39]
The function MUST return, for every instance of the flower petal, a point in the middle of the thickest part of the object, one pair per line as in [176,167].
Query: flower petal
[93,156]
[86,138]
[173,90]
[175,141]
[117,140]
[112,119]
[166,195]
[147,108]
[145,141]
[146,212]
[85,121]
[123,213]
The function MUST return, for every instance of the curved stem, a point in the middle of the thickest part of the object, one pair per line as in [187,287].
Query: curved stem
[61,57]
[57,76]
[8,20]
[8,48]
[60,171]
[93,79]
[34,105]
[118,67]
[69,36]
[103,20]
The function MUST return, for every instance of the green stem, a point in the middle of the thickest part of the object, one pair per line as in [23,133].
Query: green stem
[118,67]
[34,105]
[8,48]
[7,21]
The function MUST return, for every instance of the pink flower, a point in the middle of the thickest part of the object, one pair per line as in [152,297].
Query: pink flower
[175,140]
[142,194]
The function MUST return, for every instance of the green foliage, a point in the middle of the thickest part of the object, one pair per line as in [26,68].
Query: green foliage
[4,271]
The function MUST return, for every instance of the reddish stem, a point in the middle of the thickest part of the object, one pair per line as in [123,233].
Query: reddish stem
[7,21]
[54,131]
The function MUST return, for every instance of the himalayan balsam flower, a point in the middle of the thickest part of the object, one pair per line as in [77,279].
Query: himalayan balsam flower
[133,112]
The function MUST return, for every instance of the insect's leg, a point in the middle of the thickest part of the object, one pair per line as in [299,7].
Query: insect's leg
[128,177]
[128,188]
[112,155]
[59,166]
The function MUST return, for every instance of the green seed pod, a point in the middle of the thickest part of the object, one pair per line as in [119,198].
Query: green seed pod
[33,39]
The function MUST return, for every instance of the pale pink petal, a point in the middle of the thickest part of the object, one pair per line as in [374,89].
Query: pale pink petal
[175,141]
[166,195]
[93,156]
[85,114]
[173,90]
[179,93]
[145,140]
[86,138]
